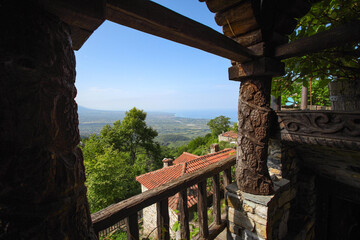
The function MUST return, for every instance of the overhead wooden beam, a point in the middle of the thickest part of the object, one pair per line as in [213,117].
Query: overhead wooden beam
[335,37]
[83,16]
[152,18]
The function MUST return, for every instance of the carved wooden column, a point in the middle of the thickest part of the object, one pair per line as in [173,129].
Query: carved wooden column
[42,191]
[254,121]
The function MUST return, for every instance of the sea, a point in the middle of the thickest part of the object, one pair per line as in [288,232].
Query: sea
[208,114]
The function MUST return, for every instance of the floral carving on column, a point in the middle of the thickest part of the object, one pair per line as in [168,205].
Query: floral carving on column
[252,174]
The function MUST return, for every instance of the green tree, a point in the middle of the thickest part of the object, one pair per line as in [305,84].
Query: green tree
[219,124]
[340,63]
[110,178]
[115,157]
[134,136]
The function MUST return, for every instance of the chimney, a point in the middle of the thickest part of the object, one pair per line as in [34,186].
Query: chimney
[167,162]
[213,148]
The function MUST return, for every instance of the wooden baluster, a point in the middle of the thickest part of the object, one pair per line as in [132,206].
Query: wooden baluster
[227,178]
[162,208]
[184,215]
[202,210]
[216,199]
[132,227]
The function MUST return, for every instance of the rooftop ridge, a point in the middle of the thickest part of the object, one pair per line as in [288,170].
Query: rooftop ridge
[210,155]
[157,170]
[190,154]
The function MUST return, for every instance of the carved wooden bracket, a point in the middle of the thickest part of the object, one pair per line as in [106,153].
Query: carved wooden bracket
[322,128]
[261,67]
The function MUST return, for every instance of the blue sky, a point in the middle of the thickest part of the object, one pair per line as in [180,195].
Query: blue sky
[119,68]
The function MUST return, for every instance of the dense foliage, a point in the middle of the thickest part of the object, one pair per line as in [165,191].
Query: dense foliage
[115,157]
[340,63]
[218,125]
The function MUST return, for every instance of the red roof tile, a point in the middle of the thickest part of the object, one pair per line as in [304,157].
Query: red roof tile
[184,157]
[163,175]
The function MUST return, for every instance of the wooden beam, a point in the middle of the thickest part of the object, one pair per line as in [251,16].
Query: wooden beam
[220,5]
[338,36]
[83,16]
[114,213]
[152,18]
[202,209]
[184,215]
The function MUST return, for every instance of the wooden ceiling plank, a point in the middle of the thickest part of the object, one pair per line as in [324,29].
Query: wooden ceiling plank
[338,36]
[155,19]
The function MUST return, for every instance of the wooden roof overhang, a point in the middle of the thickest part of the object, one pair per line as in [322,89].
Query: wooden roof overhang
[236,16]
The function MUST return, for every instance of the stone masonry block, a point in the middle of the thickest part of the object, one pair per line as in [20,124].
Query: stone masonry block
[257,219]
[234,200]
[262,211]
[249,206]
[240,219]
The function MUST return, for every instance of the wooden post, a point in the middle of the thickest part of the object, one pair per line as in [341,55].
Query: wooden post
[254,121]
[162,208]
[184,215]
[304,98]
[276,103]
[202,210]
[42,194]
[216,199]
[132,227]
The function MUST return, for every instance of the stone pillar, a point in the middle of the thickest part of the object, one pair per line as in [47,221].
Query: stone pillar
[259,217]
[254,121]
[42,191]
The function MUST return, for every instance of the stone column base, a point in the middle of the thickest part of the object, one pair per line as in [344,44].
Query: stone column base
[259,217]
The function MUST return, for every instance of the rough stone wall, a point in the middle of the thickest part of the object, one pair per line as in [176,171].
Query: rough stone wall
[302,214]
[150,220]
[259,217]
[42,191]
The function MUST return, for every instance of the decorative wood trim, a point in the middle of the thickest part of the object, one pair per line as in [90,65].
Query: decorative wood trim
[155,19]
[259,68]
[322,128]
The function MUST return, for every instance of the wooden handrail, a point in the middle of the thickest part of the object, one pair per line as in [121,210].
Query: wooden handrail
[129,207]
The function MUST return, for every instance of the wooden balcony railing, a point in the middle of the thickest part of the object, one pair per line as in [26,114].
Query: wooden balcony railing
[128,209]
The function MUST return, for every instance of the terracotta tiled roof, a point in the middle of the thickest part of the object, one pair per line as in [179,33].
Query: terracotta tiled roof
[184,157]
[160,176]
[230,134]
[163,175]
